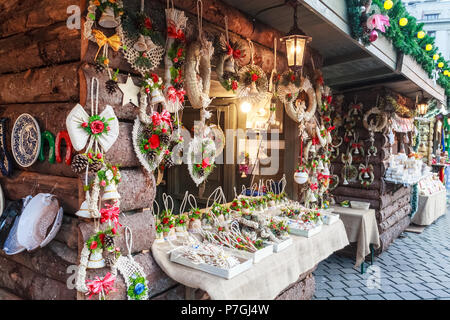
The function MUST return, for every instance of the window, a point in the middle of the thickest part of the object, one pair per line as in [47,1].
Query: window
[431,33]
[433,16]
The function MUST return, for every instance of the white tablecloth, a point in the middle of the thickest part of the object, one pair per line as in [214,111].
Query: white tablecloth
[361,227]
[430,208]
[267,278]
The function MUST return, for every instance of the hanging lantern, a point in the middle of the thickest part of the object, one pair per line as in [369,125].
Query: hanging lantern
[422,105]
[296,41]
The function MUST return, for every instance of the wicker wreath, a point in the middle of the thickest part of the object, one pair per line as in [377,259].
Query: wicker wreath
[296,110]
[366,169]
[349,173]
[198,73]
[253,84]
[334,182]
[379,124]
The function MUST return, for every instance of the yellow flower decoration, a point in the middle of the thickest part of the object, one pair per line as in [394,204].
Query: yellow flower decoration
[388,4]
[446,72]
[441,64]
[403,22]
[435,57]
[420,34]
[97,3]
[428,47]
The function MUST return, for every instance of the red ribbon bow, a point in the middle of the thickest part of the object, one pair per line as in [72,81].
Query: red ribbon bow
[356,145]
[173,33]
[174,94]
[364,170]
[99,286]
[331,128]
[313,186]
[236,53]
[356,106]
[110,213]
[315,141]
[321,176]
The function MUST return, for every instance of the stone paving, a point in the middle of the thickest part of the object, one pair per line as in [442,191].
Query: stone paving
[415,267]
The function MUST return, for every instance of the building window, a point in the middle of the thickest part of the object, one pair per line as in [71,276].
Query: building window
[433,16]
[431,34]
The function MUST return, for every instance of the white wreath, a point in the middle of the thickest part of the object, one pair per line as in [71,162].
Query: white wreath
[298,112]
[194,151]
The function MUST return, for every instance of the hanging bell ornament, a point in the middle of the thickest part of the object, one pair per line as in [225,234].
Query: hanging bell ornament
[326,171]
[96,260]
[253,89]
[345,182]
[366,175]
[157,96]
[313,197]
[140,45]
[108,19]
[243,175]
[150,44]
[356,151]
[110,192]
[229,65]
[84,208]
[320,166]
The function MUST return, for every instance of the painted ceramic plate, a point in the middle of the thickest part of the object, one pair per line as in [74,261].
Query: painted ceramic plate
[25,140]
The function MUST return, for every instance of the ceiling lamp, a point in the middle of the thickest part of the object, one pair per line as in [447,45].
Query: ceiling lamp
[295,41]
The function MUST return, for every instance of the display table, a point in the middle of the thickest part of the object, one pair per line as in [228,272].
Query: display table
[361,227]
[430,208]
[267,278]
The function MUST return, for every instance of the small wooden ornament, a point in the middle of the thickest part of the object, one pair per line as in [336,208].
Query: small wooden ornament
[130,92]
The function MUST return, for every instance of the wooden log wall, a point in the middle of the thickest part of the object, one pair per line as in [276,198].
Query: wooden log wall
[39,60]
[391,202]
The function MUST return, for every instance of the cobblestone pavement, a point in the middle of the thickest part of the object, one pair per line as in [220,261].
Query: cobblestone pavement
[414,267]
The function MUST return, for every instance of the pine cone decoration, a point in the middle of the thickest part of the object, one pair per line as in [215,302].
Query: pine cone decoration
[109,241]
[99,67]
[147,132]
[151,155]
[169,162]
[95,166]
[111,86]
[164,139]
[109,261]
[79,163]
[201,172]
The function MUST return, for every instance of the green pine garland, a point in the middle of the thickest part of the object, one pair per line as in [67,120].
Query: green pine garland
[404,38]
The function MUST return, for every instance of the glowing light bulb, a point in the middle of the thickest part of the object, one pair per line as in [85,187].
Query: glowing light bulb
[246,106]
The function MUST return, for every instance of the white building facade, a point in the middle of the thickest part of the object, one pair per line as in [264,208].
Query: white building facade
[435,14]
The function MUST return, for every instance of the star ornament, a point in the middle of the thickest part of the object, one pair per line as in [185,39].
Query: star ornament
[130,92]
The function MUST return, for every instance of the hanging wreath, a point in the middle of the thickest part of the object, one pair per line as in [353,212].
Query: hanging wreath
[298,111]
[366,176]
[151,141]
[201,157]
[400,107]
[357,148]
[252,83]
[334,182]
[349,173]
[379,124]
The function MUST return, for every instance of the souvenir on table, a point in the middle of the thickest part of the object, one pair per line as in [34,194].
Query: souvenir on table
[50,138]
[6,165]
[210,258]
[25,140]
[195,215]
[36,226]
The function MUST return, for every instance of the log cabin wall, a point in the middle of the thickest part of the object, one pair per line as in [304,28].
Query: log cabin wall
[391,202]
[45,69]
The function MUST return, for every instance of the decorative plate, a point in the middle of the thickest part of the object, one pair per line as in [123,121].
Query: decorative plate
[25,140]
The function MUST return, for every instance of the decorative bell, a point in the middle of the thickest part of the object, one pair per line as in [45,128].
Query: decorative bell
[110,192]
[345,182]
[253,89]
[313,197]
[84,208]
[150,44]
[243,175]
[108,19]
[96,260]
[229,65]
[366,175]
[157,96]
[326,171]
[320,166]
[356,151]
[140,45]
